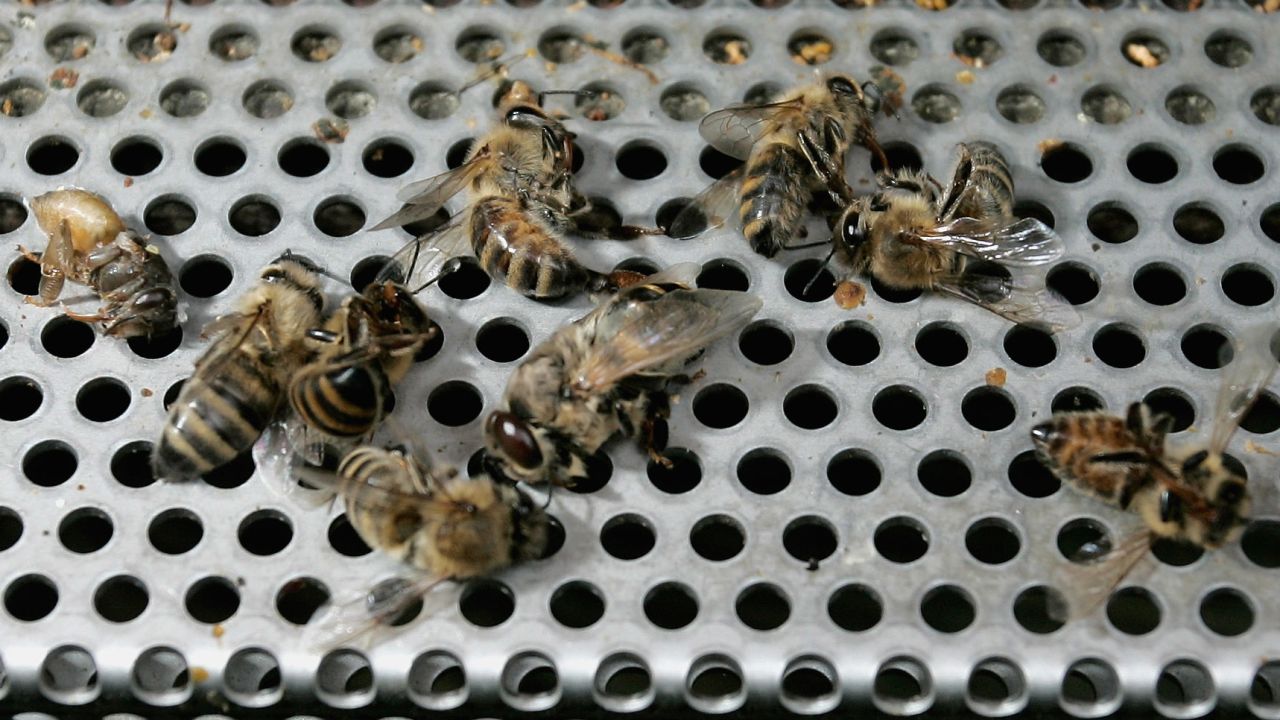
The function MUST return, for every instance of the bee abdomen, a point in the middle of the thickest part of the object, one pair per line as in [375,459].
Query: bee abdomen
[771,198]
[342,402]
[520,252]
[991,177]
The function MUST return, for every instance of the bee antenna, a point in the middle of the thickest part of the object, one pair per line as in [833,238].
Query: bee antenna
[449,268]
[818,273]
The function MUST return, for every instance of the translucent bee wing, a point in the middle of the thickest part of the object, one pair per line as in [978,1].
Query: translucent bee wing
[685,274]
[1089,582]
[425,197]
[1019,295]
[735,129]
[360,619]
[1243,380]
[288,473]
[676,325]
[1019,243]
[709,209]
[425,260]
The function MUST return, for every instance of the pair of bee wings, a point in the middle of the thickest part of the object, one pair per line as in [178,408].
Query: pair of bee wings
[631,337]
[1097,571]
[360,618]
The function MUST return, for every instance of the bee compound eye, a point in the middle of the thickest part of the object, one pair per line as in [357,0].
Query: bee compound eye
[151,299]
[1194,461]
[1230,492]
[851,229]
[1170,506]
[515,440]
[842,85]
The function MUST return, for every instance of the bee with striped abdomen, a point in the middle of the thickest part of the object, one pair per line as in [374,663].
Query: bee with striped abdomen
[964,241]
[792,148]
[608,373]
[238,383]
[89,244]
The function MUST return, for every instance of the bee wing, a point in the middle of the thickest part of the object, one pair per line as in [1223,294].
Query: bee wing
[735,129]
[1023,242]
[709,209]
[1018,294]
[425,260]
[289,467]
[1243,380]
[1091,580]
[423,198]
[360,618]
[685,274]
[676,325]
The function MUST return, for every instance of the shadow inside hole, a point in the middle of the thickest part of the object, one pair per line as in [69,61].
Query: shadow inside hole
[947,609]
[121,599]
[941,345]
[169,216]
[720,406]
[627,537]
[854,472]
[1077,284]
[681,473]
[1119,347]
[901,540]
[1171,402]
[992,541]
[765,343]
[899,407]
[723,275]
[303,158]
[810,281]
[1152,165]
[387,159]
[763,607]
[1133,611]
[1030,477]
[212,600]
[670,605]
[1040,609]
[944,473]
[856,608]
[1066,163]
[1112,224]
[136,156]
[30,598]
[577,604]
[1238,165]
[764,471]
[717,538]
[299,599]
[86,530]
[1247,285]
[486,603]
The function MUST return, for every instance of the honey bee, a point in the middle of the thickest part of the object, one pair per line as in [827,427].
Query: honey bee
[792,148]
[1191,495]
[521,206]
[965,242]
[238,383]
[89,244]
[608,373]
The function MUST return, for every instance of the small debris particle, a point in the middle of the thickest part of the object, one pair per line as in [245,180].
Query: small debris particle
[128,182]
[183,27]
[812,52]
[146,113]
[579,5]
[219,631]
[1141,54]
[147,392]
[329,130]
[996,377]
[735,52]
[550,67]
[1253,447]
[934,5]
[1269,6]
[850,294]
[626,62]
[1049,145]
[892,88]
[199,674]
[6,107]
[63,78]
[80,487]
[965,77]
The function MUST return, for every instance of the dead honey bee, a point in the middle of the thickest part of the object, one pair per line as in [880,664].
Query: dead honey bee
[238,383]
[911,235]
[792,148]
[89,244]
[1191,495]
[521,206]
[608,373]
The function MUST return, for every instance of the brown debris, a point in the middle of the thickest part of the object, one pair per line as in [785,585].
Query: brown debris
[626,62]
[965,77]
[934,5]
[148,392]
[996,377]
[219,631]
[199,674]
[1253,447]
[63,78]
[735,52]
[892,88]
[812,52]
[328,130]
[1047,146]
[850,294]
[128,182]
[6,107]
[1141,54]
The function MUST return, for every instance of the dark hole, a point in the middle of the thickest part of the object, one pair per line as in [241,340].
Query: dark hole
[300,598]
[897,684]
[1076,284]
[103,400]
[641,265]
[901,540]
[764,471]
[1024,209]
[212,600]
[387,159]
[853,344]
[121,599]
[338,217]
[854,472]
[1226,612]
[52,156]
[992,541]
[812,274]
[1167,401]
[717,538]
[577,604]
[1261,543]
[1039,609]
[345,540]
[892,294]
[723,275]
[468,281]
[807,684]
[19,398]
[131,465]
[682,474]
[1269,222]
[1119,347]
[599,470]
[944,473]
[1263,689]
[1112,223]
[66,338]
[30,598]
[1264,416]
[1030,477]
[457,153]
[303,158]
[899,407]
[1029,346]
[219,158]
[720,406]
[265,533]
[717,164]
[810,407]
[762,607]
[1083,541]
[716,682]
[1178,554]
[988,408]
[175,532]
[1152,165]
[1247,285]
[315,45]
[539,680]
[432,346]
[947,609]
[136,157]
[486,603]
[765,343]
[1133,611]
[901,156]
[233,474]
[856,608]
[169,216]
[85,531]
[670,210]
[502,340]
[205,276]
[12,214]
[670,606]
[254,217]
[809,540]
[1198,224]
[1078,687]
[641,162]
[1066,163]
[1060,49]
[627,537]
[1238,165]
[941,345]
[987,686]
[451,679]
[366,271]
[555,537]
[454,403]
[10,528]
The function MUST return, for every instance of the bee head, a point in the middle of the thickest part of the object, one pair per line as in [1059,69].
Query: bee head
[515,445]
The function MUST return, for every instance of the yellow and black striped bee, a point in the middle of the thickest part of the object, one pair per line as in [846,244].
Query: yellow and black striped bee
[793,148]
[239,381]
[521,206]
[608,373]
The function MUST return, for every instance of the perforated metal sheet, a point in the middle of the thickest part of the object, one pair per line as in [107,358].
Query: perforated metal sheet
[903,647]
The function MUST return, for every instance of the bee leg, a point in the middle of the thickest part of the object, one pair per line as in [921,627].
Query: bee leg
[99,316]
[29,254]
[656,435]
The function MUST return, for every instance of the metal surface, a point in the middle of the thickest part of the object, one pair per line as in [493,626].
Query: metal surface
[227,663]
